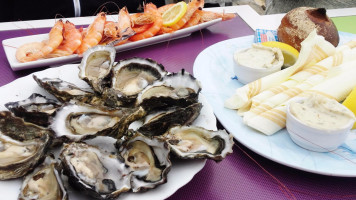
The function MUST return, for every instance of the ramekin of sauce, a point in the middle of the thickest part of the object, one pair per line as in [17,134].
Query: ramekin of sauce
[318,123]
[256,62]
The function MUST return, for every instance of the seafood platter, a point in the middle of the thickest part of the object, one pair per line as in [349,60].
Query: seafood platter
[65,43]
[119,136]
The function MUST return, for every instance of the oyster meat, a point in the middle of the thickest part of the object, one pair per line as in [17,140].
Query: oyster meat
[148,159]
[177,89]
[76,122]
[36,109]
[131,76]
[96,66]
[158,123]
[190,142]
[22,146]
[97,173]
[44,183]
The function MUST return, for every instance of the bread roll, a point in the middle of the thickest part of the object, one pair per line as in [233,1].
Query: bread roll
[299,22]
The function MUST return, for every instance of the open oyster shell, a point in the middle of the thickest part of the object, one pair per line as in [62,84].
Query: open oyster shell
[190,142]
[76,122]
[131,76]
[22,146]
[148,159]
[44,183]
[177,89]
[158,123]
[95,172]
[96,66]
[36,109]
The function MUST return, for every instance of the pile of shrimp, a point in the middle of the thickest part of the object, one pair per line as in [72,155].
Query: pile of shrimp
[65,39]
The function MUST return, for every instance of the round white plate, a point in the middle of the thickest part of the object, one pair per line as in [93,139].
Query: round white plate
[181,173]
[214,68]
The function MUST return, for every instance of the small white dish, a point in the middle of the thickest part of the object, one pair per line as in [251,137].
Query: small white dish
[315,139]
[247,74]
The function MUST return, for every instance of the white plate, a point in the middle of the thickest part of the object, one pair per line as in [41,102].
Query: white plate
[10,46]
[182,170]
[214,68]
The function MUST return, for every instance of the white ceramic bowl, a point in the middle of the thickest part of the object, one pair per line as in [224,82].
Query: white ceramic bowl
[248,74]
[315,139]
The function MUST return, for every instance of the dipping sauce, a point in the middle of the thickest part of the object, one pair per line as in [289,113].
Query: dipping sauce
[260,57]
[321,112]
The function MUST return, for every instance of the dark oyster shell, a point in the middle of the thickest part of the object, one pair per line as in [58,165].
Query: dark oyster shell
[36,109]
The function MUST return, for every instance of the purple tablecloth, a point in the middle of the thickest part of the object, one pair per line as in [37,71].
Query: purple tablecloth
[242,175]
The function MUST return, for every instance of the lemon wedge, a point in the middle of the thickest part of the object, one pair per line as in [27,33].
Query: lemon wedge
[350,103]
[174,13]
[290,54]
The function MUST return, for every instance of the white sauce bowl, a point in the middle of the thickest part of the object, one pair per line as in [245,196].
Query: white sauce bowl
[248,74]
[315,139]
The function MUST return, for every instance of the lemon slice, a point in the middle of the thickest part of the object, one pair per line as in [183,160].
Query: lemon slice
[350,103]
[174,13]
[290,54]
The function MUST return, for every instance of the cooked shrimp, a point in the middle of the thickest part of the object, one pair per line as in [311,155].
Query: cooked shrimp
[194,20]
[26,52]
[164,30]
[142,19]
[150,8]
[208,16]
[34,51]
[124,28]
[193,6]
[72,40]
[141,28]
[94,33]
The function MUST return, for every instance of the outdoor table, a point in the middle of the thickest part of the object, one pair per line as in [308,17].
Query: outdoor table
[243,174]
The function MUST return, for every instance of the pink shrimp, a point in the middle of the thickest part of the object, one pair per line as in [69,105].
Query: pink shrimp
[150,8]
[124,28]
[208,16]
[34,51]
[142,19]
[193,6]
[194,20]
[94,33]
[72,40]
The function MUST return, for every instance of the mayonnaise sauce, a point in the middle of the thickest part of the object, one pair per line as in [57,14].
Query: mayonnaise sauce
[259,56]
[321,112]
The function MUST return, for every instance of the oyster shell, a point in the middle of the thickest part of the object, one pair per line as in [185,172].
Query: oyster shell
[158,123]
[64,91]
[96,66]
[96,172]
[131,76]
[43,183]
[190,142]
[36,109]
[22,146]
[148,160]
[177,89]
[76,122]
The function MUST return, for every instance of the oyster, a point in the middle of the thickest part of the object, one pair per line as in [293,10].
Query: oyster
[44,183]
[65,91]
[22,146]
[177,89]
[36,109]
[97,173]
[148,160]
[190,142]
[131,76]
[76,122]
[96,66]
[158,123]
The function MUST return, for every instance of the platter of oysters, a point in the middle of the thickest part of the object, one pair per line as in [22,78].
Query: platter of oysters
[105,130]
